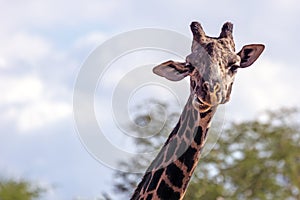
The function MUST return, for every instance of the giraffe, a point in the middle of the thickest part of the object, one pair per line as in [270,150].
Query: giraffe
[212,66]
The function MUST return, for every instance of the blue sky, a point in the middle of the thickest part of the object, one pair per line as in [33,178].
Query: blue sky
[44,43]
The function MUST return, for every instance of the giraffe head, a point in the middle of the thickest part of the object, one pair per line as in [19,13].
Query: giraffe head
[212,66]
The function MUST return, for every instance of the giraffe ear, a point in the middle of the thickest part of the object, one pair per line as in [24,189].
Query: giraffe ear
[250,53]
[173,71]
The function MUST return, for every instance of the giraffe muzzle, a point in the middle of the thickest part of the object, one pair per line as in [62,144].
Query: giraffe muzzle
[210,96]
[200,105]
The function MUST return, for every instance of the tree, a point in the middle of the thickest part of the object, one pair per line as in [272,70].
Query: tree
[160,120]
[257,159]
[18,190]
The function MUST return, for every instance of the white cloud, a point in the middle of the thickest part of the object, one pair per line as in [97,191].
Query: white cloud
[266,85]
[90,40]
[16,90]
[29,104]
[23,48]
[290,5]
[20,14]
[42,113]
[3,63]
[50,192]
[273,84]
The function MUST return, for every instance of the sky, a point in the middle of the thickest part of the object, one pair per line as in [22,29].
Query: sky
[44,45]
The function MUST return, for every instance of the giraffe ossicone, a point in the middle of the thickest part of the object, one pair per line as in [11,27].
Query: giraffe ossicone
[212,66]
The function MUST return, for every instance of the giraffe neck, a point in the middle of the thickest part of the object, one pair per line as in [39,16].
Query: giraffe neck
[169,174]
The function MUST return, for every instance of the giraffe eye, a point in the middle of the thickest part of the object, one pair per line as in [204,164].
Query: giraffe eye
[233,69]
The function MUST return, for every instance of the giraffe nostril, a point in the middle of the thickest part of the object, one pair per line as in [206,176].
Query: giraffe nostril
[217,87]
[206,86]
[211,88]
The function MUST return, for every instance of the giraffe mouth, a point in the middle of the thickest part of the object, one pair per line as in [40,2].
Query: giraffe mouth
[201,105]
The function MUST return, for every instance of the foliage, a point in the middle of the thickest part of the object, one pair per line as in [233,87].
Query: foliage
[18,190]
[255,160]
[160,122]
